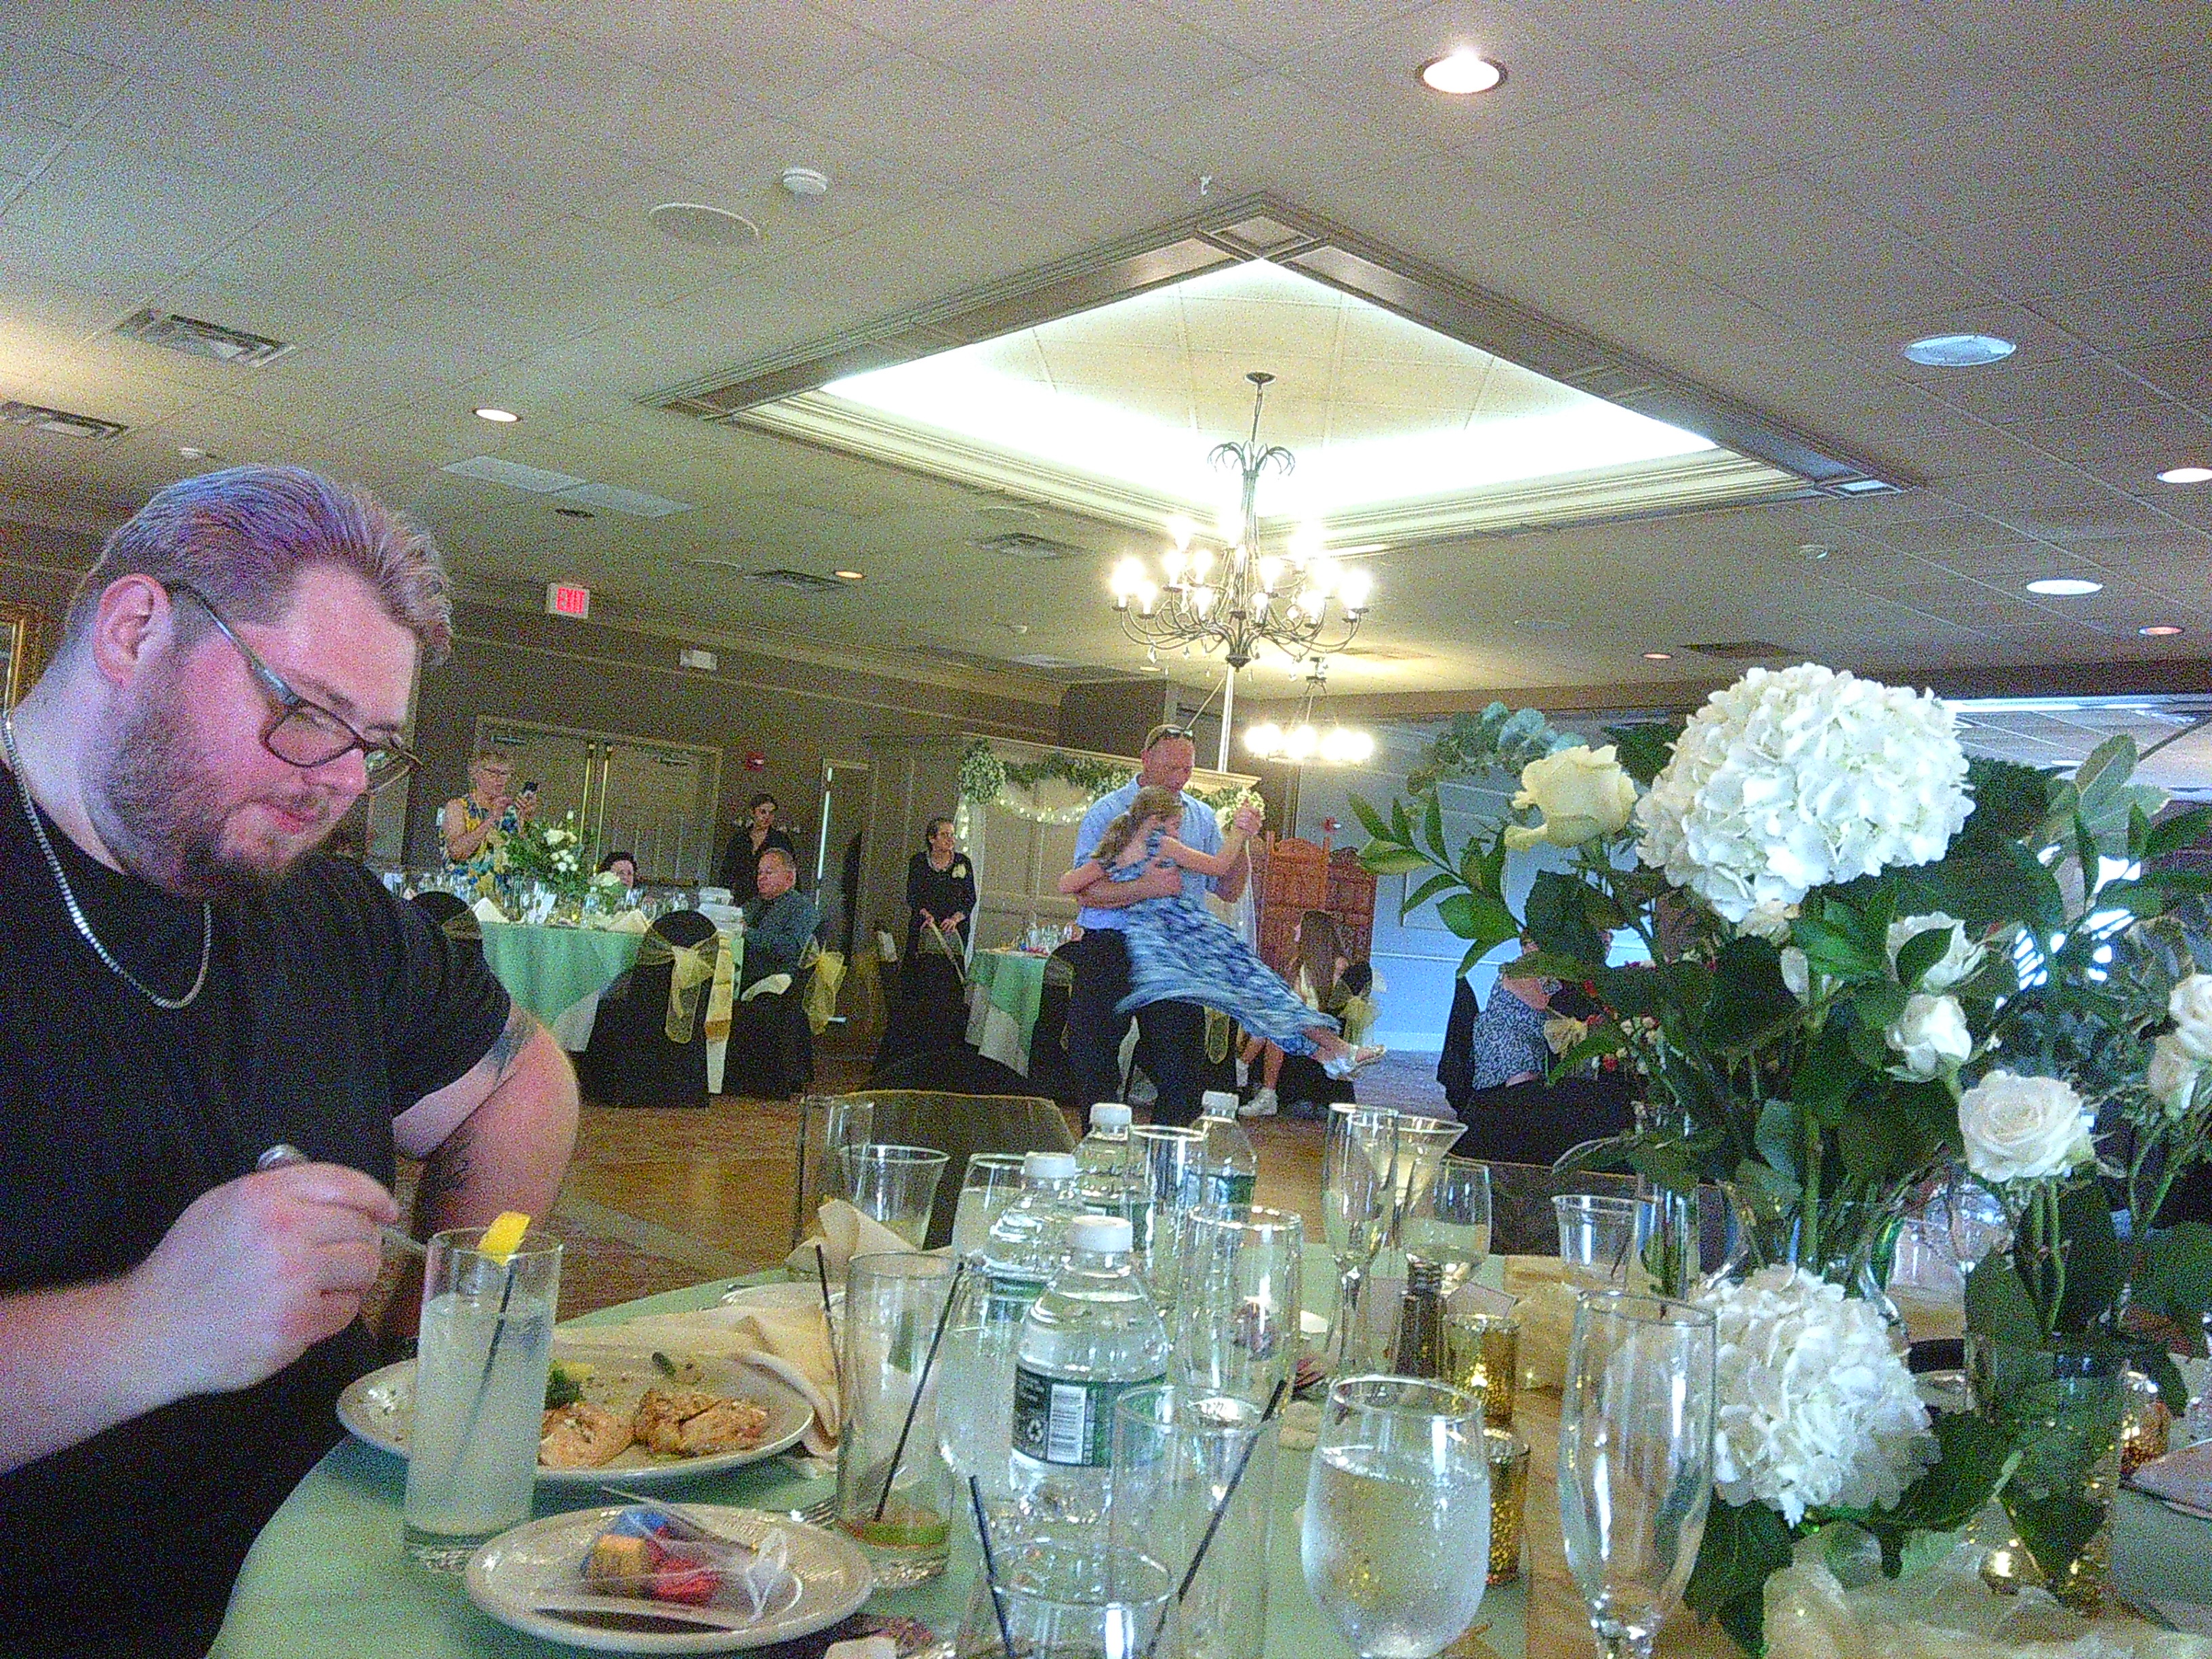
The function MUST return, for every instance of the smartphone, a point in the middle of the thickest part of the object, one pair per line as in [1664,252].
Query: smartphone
[530,788]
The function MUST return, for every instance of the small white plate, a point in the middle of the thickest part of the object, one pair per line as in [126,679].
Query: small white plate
[380,1410]
[516,1571]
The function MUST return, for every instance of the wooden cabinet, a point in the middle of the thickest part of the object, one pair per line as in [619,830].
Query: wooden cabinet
[1291,877]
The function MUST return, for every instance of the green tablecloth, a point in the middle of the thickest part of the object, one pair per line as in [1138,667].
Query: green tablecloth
[553,971]
[327,1575]
[1005,988]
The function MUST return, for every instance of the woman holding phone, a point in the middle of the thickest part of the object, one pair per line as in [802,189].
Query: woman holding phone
[473,825]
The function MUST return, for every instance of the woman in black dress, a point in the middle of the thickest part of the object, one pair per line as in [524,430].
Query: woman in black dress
[929,1016]
[741,859]
[940,887]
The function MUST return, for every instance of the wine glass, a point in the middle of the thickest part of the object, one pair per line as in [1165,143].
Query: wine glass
[1449,1223]
[1358,1203]
[1423,1142]
[1636,1460]
[1396,1541]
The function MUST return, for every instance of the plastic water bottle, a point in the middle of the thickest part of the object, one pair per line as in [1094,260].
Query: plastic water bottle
[1101,1187]
[1025,1247]
[1093,1334]
[1228,1167]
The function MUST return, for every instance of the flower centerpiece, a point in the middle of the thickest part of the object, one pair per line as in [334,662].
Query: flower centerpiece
[551,855]
[1849,927]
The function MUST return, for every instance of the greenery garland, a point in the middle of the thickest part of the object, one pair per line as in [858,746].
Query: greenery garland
[986,776]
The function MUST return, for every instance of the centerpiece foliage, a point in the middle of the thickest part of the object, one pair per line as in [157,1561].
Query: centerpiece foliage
[1869,958]
[549,854]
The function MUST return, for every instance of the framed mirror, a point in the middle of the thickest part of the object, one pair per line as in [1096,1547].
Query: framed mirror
[26,637]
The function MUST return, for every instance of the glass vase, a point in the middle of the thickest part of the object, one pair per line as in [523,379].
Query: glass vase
[2062,1406]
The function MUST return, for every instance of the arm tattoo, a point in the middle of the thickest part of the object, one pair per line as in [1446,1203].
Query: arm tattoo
[509,1042]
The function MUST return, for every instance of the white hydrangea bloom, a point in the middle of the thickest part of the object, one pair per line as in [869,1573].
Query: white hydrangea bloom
[1816,1409]
[1786,781]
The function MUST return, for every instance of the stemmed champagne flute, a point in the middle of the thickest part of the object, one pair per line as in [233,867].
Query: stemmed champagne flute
[1359,1206]
[1449,1222]
[1636,1460]
[1396,1541]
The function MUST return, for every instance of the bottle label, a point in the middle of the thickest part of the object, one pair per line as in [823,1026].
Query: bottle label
[1225,1188]
[1068,1422]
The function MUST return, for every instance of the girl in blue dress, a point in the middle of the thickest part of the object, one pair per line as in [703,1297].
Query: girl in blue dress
[1180,953]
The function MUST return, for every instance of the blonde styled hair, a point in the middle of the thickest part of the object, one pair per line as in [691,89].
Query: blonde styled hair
[1150,801]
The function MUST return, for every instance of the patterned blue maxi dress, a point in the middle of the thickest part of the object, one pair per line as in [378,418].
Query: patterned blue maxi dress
[1179,953]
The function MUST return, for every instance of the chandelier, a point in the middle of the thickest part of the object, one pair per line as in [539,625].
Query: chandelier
[1237,597]
[1301,741]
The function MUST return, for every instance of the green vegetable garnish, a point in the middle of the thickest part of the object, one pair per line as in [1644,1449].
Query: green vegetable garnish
[562,1387]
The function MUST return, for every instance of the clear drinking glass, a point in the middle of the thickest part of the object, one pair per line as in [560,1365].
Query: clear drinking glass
[1176,1452]
[895,1186]
[1237,1332]
[895,1493]
[1636,1460]
[1396,1542]
[1163,1169]
[487,1338]
[1449,1222]
[992,1180]
[1597,1235]
[1358,1202]
[827,1125]
[1056,1601]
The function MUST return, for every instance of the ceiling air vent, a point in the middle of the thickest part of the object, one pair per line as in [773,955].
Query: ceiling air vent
[1744,650]
[1023,544]
[59,421]
[197,339]
[804,580]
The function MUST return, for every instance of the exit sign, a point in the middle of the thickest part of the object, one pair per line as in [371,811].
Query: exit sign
[567,599]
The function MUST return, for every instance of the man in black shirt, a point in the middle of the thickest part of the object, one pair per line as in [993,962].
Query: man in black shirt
[185,985]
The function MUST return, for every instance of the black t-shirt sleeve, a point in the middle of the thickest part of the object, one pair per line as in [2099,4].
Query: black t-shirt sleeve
[442,1008]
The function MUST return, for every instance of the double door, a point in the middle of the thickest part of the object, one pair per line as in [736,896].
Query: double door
[655,800]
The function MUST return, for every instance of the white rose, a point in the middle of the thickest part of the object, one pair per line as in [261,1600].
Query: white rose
[1582,791]
[2172,1077]
[1931,1036]
[1798,973]
[2190,1005]
[1960,961]
[2024,1129]
[1770,921]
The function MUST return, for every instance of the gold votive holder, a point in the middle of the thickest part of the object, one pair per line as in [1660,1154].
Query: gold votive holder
[1483,1351]
[2146,1425]
[1509,1492]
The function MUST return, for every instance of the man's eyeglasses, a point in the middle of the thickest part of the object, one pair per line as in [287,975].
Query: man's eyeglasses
[304,733]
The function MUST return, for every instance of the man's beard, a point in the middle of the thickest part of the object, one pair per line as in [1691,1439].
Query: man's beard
[163,817]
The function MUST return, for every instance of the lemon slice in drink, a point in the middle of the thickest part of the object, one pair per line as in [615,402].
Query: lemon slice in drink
[903,1527]
[500,1238]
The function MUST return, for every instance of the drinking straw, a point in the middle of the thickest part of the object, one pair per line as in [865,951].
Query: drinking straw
[828,1319]
[991,1565]
[921,1383]
[1221,1507]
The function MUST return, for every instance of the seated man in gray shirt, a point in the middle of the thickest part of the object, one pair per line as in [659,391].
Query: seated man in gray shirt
[780,921]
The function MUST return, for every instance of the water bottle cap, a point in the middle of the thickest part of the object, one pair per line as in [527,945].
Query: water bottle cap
[1110,1115]
[1048,1166]
[1217,1103]
[1101,1235]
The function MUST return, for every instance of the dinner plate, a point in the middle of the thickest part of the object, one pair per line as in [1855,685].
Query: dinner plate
[541,1560]
[379,1409]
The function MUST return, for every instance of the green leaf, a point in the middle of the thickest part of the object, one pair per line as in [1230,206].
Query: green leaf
[1997,1304]
[1369,819]
[2104,796]
[1743,1547]
[1432,829]
[1401,825]
[2176,1277]
[1780,1135]
[1427,890]
[2010,799]
[1474,953]
[1920,953]
[1478,917]
[2177,830]
[1988,884]
[1644,750]
[1389,857]
[1557,919]
[1749,997]
[1975,1457]
[2093,1257]
[1829,1075]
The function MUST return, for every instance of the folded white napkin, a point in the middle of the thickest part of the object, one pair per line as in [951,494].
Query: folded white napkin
[487,911]
[790,1343]
[629,922]
[843,1233]
[2184,1476]
[767,985]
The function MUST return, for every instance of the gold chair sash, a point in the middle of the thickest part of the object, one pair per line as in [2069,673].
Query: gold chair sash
[464,925]
[692,967]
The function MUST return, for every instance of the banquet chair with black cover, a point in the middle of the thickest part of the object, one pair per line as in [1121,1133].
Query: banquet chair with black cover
[631,1061]
[958,1125]
[443,908]
[771,1054]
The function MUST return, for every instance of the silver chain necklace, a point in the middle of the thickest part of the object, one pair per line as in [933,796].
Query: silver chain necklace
[76,911]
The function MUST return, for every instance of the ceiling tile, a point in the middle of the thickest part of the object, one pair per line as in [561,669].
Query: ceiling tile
[1270,132]
[605,102]
[927,121]
[2103,240]
[1117,64]
[1283,27]
[2051,38]
[509,153]
[2131,316]
[2048,392]
[2183,371]
[43,81]
[769,52]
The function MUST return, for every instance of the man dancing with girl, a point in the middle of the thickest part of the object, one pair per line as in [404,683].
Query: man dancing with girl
[1178,952]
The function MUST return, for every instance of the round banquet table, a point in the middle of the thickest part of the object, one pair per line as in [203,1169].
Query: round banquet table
[327,1575]
[1005,988]
[558,973]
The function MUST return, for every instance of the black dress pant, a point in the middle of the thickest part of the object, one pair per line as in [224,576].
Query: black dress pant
[1171,1034]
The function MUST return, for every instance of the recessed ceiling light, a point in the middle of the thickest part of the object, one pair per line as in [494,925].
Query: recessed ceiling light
[807,181]
[1658,656]
[2186,475]
[1959,351]
[2064,588]
[497,416]
[848,576]
[703,226]
[1460,73]
[2159,630]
